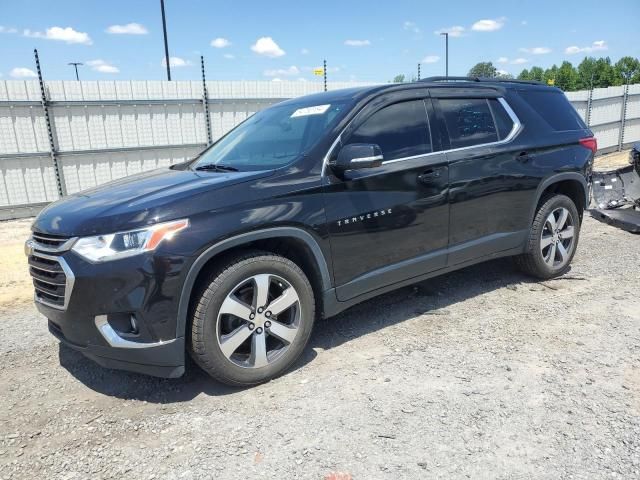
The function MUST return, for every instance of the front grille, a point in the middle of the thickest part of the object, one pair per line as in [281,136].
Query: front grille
[51,276]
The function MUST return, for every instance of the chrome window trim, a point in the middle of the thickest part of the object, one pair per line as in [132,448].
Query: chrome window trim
[515,130]
[69,282]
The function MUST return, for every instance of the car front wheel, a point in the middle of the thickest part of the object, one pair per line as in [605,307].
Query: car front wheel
[252,319]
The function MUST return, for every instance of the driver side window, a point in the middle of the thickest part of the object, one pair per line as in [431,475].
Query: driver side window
[401,130]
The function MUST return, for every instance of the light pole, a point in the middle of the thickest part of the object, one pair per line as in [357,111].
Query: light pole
[446,53]
[75,65]
[166,43]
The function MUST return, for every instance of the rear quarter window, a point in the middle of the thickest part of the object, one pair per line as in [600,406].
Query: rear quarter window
[554,109]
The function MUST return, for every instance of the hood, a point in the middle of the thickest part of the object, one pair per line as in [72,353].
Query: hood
[142,199]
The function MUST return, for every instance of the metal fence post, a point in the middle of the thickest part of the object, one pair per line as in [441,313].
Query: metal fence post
[418,70]
[62,188]
[589,103]
[205,103]
[324,73]
[623,116]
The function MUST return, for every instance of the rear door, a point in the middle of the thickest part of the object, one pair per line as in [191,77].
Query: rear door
[389,223]
[491,187]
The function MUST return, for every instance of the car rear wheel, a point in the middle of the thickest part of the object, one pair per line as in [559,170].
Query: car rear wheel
[252,319]
[553,238]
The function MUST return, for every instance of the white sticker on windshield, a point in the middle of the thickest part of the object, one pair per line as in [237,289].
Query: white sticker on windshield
[317,110]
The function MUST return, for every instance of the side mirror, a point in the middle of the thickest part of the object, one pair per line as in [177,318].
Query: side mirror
[358,155]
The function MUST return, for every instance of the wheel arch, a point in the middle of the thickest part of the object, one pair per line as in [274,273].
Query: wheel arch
[571,184]
[276,240]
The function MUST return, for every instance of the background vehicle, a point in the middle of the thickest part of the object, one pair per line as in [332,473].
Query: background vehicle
[302,211]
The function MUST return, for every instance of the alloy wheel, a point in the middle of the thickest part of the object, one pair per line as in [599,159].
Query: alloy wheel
[258,321]
[557,238]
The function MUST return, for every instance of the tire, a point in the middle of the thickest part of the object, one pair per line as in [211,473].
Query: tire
[549,248]
[237,341]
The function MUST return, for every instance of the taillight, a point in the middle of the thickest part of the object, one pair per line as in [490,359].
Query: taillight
[590,142]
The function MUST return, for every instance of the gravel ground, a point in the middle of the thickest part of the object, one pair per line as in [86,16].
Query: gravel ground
[482,373]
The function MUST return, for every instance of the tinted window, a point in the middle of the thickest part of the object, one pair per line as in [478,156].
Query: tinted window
[274,137]
[503,121]
[554,108]
[401,130]
[469,121]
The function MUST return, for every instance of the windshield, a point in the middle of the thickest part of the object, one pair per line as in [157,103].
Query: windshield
[271,138]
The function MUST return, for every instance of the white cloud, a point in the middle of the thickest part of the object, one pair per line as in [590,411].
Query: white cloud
[430,59]
[304,51]
[292,70]
[276,80]
[4,29]
[536,50]
[267,47]
[519,61]
[21,72]
[220,42]
[357,43]
[176,62]
[455,31]
[488,25]
[67,35]
[596,46]
[411,26]
[229,56]
[502,60]
[128,29]
[502,72]
[103,67]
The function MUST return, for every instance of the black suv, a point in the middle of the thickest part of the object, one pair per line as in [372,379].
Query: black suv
[305,209]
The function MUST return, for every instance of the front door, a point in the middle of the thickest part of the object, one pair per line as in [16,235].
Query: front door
[389,223]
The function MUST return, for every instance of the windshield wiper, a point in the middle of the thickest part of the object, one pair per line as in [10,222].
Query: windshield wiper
[217,167]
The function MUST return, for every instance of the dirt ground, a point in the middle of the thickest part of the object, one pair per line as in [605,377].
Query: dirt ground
[481,373]
[611,161]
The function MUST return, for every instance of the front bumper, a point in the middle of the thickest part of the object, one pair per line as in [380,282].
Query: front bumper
[145,288]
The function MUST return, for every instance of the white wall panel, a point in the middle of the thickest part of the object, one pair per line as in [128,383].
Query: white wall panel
[143,120]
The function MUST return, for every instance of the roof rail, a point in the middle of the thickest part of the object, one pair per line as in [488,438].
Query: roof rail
[479,79]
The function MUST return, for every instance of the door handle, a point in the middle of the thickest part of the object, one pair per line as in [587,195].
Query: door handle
[430,175]
[524,157]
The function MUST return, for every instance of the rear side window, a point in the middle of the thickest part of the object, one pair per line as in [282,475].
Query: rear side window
[503,121]
[401,130]
[469,121]
[554,108]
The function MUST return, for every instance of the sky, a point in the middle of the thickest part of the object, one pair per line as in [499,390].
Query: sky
[275,40]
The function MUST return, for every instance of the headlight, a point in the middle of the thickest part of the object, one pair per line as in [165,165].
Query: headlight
[102,248]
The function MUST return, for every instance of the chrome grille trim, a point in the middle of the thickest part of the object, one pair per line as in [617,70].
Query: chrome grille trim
[49,243]
[41,293]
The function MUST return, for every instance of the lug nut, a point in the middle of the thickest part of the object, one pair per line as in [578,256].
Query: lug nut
[267,324]
[267,314]
[258,330]
[252,316]
[251,326]
[260,310]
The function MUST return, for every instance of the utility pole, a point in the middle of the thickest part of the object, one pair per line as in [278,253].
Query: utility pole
[75,65]
[446,52]
[166,43]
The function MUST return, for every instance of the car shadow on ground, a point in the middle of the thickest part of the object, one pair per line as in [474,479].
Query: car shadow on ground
[397,306]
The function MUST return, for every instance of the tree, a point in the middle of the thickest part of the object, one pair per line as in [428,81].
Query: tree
[524,75]
[586,73]
[483,69]
[398,79]
[627,69]
[566,77]
[550,75]
[537,74]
